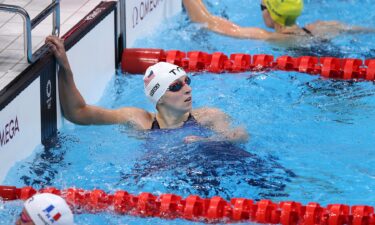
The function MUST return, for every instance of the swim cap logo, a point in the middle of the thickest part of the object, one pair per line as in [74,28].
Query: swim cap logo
[47,213]
[178,69]
[149,78]
[154,89]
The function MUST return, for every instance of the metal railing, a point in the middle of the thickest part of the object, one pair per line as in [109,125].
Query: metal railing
[29,24]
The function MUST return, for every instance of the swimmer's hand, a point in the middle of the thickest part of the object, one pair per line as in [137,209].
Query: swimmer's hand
[56,45]
[193,139]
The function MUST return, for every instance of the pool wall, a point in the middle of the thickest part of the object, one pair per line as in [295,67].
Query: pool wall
[143,17]
[30,111]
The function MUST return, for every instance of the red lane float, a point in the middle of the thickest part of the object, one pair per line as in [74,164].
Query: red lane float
[218,63]
[195,208]
[139,59]
[370,72]
[307,64]
[136,61]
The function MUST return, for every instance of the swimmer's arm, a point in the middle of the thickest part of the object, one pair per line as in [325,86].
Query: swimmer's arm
[225,27]
[198,13]
[337,27]
[77,111]
[73,104]
[261,34]
[357,29]
[219,122]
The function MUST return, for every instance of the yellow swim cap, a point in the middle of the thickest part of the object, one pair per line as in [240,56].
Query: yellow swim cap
[284,12]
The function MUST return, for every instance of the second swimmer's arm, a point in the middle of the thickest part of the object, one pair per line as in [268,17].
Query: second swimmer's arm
[198,13]
[358,29]
[335,27]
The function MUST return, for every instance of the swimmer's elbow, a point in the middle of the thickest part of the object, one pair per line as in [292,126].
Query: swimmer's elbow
[197,11]
[76,117]
[72,118]
[198,19]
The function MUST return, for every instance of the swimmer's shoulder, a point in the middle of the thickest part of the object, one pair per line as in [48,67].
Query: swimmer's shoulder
[138,118]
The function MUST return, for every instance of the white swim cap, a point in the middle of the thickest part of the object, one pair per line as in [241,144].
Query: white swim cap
[48,209]
[158,78]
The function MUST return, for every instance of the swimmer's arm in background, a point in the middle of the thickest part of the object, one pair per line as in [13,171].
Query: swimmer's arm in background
[336,27]
[219,122]
[198,13]
[73,104]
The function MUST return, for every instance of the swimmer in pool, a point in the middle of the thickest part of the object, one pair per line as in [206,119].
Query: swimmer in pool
[168,88]
[280,15]
[45,209]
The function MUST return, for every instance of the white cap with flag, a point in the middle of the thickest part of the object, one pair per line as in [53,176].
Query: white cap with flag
[48,209]
[158,77]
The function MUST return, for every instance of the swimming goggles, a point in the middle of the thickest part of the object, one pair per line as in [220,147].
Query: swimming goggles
[177,86]
[262,7]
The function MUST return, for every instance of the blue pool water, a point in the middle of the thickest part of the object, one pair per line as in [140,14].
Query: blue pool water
[311,139]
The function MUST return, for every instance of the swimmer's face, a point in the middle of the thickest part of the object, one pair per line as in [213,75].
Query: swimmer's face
[24,219]
[181,100]
[267,18]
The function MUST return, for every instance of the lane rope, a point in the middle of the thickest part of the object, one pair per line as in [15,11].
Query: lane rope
[136,61]
[195,208]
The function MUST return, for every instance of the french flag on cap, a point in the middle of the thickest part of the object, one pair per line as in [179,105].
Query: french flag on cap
[48,212]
